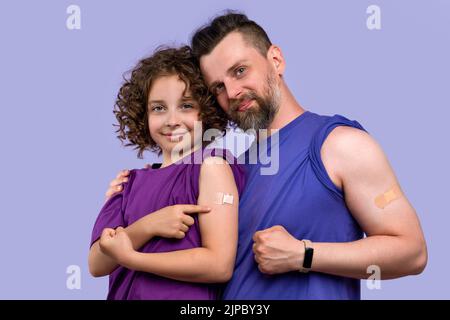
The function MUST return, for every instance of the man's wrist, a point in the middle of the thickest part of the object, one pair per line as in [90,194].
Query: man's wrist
[298,256]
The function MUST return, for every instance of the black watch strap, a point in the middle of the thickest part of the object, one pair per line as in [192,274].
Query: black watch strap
[308,257]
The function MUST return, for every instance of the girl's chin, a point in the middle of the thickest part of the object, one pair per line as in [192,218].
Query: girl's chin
[175,146]
[175,138]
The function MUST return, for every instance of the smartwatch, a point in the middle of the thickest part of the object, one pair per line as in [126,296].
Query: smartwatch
[307,259]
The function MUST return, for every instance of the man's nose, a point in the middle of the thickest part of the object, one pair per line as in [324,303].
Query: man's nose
[233,89]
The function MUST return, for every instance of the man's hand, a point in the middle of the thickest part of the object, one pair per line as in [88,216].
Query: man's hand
[116,184]
[116,244]
[173,221]
[277,251]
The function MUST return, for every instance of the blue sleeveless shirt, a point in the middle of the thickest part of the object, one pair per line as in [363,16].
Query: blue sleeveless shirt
[302,198]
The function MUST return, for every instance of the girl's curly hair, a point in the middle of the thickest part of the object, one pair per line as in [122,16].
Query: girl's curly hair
[131,104]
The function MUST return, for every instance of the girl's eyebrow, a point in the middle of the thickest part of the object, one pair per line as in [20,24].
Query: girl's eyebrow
[155,101]
[186,98]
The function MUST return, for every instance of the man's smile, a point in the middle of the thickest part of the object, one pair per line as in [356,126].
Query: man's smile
[244,105]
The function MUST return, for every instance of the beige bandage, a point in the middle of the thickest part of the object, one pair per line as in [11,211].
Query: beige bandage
[223,198]
[384,199]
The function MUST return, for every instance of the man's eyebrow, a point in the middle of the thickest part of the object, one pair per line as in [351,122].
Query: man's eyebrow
[234,66]
[214,85]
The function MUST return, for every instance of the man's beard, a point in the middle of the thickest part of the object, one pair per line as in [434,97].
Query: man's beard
[260,116]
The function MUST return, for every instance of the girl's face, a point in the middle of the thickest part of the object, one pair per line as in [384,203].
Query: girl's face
[172,114]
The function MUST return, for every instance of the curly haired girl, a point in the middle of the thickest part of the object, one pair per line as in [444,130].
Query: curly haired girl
[169,234]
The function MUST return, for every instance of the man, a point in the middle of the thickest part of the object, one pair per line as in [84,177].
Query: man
[333,185]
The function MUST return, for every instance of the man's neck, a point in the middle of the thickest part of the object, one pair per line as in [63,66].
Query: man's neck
[289,110]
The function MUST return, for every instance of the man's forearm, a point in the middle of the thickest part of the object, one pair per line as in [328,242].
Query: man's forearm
[101,264]
[192,265]
[395,256]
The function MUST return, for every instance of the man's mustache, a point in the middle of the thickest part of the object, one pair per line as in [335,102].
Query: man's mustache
[235,103]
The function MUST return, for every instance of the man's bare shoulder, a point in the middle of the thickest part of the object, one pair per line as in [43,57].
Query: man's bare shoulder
[349,150]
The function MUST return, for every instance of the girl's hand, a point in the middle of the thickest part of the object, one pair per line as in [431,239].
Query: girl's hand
[173,221]
[116,244]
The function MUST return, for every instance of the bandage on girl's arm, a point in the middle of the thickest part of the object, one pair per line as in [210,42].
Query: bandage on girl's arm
[214,261]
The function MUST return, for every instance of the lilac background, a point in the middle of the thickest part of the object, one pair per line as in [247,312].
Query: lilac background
[58,87]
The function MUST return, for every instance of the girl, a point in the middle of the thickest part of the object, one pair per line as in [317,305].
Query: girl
[149,238]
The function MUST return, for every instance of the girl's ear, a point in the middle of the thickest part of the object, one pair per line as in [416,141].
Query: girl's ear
[276,58]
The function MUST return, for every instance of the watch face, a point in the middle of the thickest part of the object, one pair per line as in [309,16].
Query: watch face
[307,262]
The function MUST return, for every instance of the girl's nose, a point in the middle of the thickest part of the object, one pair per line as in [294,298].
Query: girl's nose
[172,119]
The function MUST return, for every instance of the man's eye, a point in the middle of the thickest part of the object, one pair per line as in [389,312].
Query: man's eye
[218,89]
[240,71]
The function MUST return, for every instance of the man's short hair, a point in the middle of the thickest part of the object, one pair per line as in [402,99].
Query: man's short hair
[207,37]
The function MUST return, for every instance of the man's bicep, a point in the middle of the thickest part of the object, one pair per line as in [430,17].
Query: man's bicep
[371,190]
[218,191]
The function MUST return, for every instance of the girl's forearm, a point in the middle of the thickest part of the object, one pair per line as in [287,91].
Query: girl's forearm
[101,264]
[200,265]
[140,232]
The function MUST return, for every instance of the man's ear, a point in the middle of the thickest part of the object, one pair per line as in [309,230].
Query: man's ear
[276,58]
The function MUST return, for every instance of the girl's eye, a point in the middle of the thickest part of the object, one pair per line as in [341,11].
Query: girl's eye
[158,108]
[240,71]
[187,106]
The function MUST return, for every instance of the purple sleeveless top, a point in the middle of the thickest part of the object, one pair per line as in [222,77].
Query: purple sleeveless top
[146,191]
[302,198]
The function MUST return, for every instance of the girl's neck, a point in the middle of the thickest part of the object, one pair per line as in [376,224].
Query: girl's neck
[170,157]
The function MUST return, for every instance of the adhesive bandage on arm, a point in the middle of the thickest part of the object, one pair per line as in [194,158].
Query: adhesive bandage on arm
[384,199]
[223,198]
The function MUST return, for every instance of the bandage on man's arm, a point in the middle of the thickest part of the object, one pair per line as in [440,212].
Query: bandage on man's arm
[387,197]
[395,241]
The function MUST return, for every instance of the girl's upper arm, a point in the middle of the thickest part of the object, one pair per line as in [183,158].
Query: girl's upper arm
[218,190]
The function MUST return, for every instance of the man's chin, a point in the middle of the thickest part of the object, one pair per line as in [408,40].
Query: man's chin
[250,126]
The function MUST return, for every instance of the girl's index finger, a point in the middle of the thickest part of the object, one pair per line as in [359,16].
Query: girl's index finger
[193,208]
